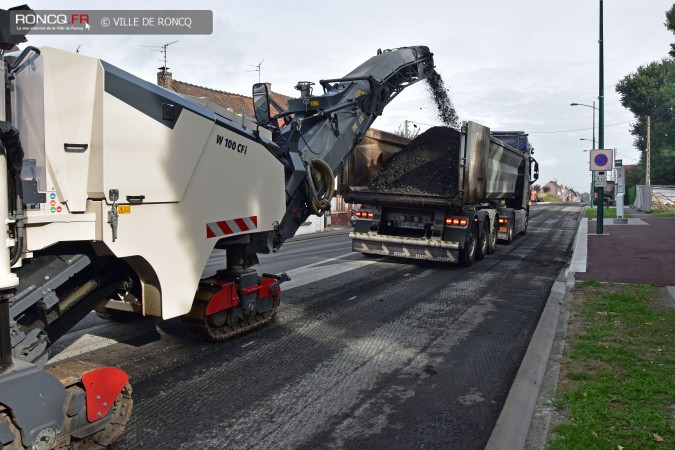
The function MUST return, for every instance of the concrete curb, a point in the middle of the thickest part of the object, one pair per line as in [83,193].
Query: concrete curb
[513,425]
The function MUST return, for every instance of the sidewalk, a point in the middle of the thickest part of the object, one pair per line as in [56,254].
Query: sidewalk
[643,251]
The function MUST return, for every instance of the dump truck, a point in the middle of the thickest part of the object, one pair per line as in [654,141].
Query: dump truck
[449,196]
[114,194]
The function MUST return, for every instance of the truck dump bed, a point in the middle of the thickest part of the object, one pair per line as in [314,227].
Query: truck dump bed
[445,167]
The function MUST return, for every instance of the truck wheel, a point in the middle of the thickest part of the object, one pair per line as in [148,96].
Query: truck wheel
[483,240]
[468,253]
[524,230]
[512,225]
[492,241]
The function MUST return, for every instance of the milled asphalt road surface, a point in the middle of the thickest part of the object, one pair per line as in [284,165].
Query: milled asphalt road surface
[364,353]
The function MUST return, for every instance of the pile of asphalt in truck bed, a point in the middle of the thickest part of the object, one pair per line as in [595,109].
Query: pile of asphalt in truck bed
[426,166]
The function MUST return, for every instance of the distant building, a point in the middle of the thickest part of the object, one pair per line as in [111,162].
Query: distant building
[564,193]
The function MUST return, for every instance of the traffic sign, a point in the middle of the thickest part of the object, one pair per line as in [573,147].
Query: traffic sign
[601,159]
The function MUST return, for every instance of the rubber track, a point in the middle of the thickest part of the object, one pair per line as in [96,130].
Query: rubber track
[199,325]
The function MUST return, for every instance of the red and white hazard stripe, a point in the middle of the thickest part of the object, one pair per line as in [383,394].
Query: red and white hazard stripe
[232,226]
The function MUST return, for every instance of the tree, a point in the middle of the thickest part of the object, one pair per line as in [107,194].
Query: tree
[408,132]
[536,188]
[547,189]
[633,173]
[650,91]
[670,24]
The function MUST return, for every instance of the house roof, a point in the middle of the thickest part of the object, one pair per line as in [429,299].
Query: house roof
[237,102]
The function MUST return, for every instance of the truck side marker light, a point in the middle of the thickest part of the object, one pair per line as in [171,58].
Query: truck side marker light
[364,214]
[456,221]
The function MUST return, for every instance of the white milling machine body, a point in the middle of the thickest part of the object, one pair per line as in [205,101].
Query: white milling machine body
[123,192]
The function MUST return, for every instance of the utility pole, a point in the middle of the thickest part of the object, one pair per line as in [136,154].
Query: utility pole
[601,127]
[649,151]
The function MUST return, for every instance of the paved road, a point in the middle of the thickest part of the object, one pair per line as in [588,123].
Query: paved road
[364,353]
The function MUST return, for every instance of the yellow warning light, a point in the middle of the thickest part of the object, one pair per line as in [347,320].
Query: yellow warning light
[314,103]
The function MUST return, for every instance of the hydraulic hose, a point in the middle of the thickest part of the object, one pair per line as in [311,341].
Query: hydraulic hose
[320,204]
[9,137]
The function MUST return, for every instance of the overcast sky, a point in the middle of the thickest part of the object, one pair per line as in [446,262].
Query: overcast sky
[510,65]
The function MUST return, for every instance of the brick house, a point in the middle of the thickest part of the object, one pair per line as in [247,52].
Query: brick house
[239,104]
[562,192]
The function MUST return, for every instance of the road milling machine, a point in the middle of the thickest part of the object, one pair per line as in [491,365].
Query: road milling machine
[117,191]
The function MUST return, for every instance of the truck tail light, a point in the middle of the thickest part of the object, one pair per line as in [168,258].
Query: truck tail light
[503,220]
[364,214]
[370,214]
[456,221]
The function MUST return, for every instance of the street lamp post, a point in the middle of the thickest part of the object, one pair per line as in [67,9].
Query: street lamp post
[601,116]
[592,174]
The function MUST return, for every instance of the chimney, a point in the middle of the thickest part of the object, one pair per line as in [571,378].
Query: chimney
[165,78]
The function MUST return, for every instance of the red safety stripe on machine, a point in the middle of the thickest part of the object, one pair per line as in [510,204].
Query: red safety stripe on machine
[232,226]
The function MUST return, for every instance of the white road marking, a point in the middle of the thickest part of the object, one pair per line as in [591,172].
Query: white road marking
[247,344]
[94,338]
[109,333]
[322,269]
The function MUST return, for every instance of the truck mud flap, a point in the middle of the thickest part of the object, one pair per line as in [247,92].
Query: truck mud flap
[405,248]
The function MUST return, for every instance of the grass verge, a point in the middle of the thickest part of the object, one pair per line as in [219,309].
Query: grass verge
[609,213]
[550,198]
[617,379]
[663,213]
